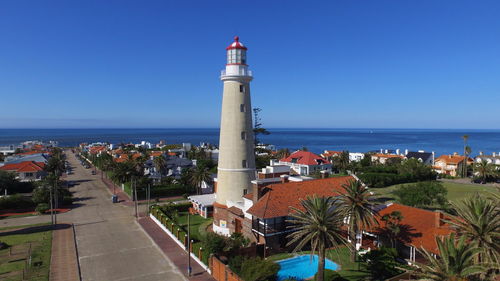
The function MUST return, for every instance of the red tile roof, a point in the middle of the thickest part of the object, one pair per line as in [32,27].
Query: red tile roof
[279,199]
[156,153]
[381,155]
[25,167]
[422,225]
[305,158]
[32,152]
[450,159]
[330,153]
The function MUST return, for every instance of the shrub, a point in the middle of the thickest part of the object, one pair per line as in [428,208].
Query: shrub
[235,263]
[382,263]
[422,194]
[15,201]
[214,243]
[331,275]
[42,208]
[41,195]
[257,269]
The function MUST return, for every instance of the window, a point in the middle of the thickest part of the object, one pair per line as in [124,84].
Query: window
[243,135]
[242,108]
[242,88]
[244,163]
[245,191]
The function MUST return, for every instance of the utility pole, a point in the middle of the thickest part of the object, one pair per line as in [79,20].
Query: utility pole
[135,199]
[51,206]
[55,197]
[149,196]
[189,245]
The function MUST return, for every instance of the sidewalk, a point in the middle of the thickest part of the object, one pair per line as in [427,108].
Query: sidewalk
[177,255]
[64,261]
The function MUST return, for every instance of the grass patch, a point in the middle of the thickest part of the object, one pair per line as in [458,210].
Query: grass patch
[14,260]
[456,191]
[196,224]
[341,256]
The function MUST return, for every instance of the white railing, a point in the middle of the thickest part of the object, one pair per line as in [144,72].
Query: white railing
[240,72]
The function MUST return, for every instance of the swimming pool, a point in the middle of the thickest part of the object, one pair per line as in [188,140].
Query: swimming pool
[302,267]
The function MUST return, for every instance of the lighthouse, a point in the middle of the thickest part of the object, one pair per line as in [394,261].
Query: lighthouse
[236,166]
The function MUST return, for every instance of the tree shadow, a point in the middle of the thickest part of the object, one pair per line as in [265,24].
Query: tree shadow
[406,233]
[35,229]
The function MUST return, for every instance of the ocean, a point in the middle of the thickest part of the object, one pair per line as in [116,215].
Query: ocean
[316,140]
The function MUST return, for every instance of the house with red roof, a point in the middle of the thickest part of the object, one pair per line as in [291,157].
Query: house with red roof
[26,170]
[305,163]
[262,216]
[418,229]
[451,164]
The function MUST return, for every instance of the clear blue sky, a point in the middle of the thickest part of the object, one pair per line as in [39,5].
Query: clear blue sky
[328,64]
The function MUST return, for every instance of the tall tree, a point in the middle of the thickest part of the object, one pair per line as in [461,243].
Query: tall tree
[478,219]
[464,166]
[358,206]
[485,170]
[319,226]
[341,162]
[198,175]
[257,126]
[160,164]
[455,261]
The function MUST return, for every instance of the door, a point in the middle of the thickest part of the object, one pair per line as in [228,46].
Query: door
[237,225]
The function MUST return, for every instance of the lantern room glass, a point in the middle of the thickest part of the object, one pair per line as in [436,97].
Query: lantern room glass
[236,56]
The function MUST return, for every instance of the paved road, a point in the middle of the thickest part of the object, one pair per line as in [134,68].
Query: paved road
[111,244]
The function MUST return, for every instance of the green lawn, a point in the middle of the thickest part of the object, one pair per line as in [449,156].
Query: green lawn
[197,224]
[14,259]
[456,191]
[348,269]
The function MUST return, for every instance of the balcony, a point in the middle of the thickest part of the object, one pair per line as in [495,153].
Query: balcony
[270,227]
[239,72]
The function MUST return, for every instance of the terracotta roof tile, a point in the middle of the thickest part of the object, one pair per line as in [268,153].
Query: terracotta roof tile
[450,159]
[423,225]
[279,199]
[305,158]
[25,167]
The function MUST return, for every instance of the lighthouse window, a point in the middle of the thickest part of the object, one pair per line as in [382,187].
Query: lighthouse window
[242,107]
[244,163]
[243,135]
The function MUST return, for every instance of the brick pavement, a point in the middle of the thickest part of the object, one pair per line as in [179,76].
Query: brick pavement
[64,260]
[172,250]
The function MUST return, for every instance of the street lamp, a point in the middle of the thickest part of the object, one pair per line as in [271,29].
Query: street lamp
[189,246]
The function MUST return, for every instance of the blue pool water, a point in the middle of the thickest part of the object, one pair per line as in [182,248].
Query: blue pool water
[302,267]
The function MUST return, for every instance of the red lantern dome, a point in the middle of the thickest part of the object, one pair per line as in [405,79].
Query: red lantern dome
[236,44]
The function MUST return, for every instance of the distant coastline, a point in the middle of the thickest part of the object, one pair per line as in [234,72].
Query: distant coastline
[442,141]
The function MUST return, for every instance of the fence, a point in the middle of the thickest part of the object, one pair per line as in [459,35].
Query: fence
[221,272]
[177,234]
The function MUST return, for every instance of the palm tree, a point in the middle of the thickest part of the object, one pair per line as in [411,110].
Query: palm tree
[160,164]
[283,153]
[455,261]
[484,169]
[341,162]
[478,219]
[198,175]
[359,208]
[319,226]
[464,171]
[392,226]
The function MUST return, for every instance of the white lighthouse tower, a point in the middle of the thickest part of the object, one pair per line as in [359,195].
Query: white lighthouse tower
[236,167]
